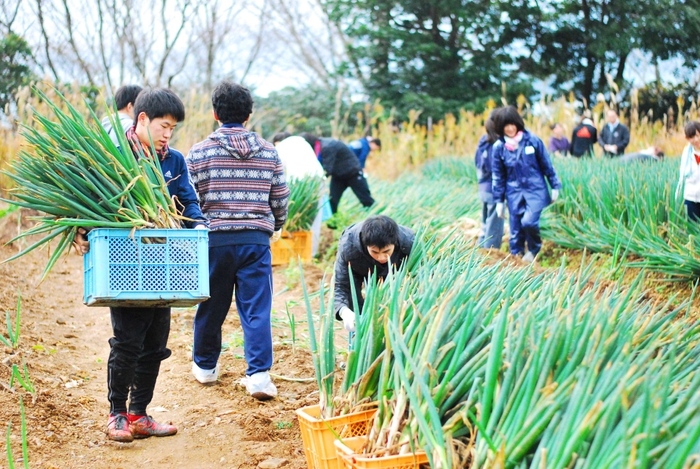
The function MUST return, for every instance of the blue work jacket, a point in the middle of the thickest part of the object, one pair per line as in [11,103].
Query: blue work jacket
[361,149]
[520,175]
[482,160]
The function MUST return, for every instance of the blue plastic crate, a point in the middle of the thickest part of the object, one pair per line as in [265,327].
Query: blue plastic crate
[146,267]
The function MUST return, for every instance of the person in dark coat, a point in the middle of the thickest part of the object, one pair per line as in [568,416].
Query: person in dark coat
[344,168]
[520,166]
[375,244]
[615,136]
[584,136]
[492,225]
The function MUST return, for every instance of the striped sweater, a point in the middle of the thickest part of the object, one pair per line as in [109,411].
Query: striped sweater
[240,181]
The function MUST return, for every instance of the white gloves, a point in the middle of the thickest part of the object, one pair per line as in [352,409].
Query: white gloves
[276,236]
[555,195]
[200,226]
[500,209]
[348,317]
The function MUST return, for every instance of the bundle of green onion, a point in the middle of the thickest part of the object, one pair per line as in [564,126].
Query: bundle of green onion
[304,202]
[71,171]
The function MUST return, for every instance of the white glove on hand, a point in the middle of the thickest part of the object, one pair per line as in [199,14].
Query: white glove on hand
[348,317]
[500,209]
[201,226]
[276,236]
[555,195]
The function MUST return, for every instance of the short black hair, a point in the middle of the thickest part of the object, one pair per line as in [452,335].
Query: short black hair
[554,126]
[379,231]
[159,102]
[691,129]
[126,94]
[311,139]
[233,103]
[279,136]
[508,115]
[376,141]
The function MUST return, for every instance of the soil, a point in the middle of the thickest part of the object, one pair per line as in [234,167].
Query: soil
[64,345]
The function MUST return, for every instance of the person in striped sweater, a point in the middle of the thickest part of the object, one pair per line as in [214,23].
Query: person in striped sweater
[243,193]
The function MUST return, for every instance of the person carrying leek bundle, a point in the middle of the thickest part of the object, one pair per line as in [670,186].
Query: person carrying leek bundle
[492,225]
[241,183]
[373,245]
[689,182]
[141,334]
[520,166]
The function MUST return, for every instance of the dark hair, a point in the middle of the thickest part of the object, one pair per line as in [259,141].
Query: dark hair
[310,139]
[159,102]
[553,126]
[279,136]
[508,115]
[379,231]
[232,103]
[490,126]
[691,129]
[376,141]
[126,94]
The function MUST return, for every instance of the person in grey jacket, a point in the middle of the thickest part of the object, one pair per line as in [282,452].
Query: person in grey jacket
[124,99]
[376,243]
[614,136]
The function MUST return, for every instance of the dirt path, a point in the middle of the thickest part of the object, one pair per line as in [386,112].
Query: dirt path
[65,347]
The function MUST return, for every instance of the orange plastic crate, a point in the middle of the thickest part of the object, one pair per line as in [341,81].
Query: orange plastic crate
[348,457]
[318,434]
[297,244]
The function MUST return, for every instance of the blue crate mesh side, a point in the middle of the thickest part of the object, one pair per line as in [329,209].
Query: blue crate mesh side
[183,251]
[122,250]
[184,277]
[153,253]
[154,278]
[124,277]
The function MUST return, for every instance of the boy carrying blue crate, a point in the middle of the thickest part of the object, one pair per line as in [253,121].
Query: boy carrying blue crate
[141,334]
[242,190]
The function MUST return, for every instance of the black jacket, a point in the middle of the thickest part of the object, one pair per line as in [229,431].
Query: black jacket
[338,159]
[620,137]
[583,138]
[351,250]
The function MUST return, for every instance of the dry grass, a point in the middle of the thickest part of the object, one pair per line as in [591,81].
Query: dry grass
[405,145]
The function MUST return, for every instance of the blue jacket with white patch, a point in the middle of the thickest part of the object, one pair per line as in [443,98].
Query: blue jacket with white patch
[519,175]
[361,149]
[482,160]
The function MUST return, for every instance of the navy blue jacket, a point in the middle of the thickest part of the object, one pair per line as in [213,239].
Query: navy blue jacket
[520,175]
[180,186]
[482,159]
[361,149]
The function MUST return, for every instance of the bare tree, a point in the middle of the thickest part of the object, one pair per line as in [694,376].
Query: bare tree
[8,14]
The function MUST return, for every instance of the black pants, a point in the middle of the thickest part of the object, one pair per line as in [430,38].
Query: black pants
[137,348]
[693,210]
[357,183]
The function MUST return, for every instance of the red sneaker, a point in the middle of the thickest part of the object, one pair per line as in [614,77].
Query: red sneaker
[118,428]
[143,426]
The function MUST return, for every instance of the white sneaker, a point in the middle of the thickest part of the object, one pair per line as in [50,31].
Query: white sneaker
[206,377]
[528,257]
[260,386]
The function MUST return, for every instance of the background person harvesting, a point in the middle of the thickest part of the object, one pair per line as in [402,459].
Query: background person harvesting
[124,99]
[243,194]
[492,224]
[689,182]
[520,166]
[614,136]
[558,144]
[363,147]
[141,334]
[584,136]
[343,167]
[376,243]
